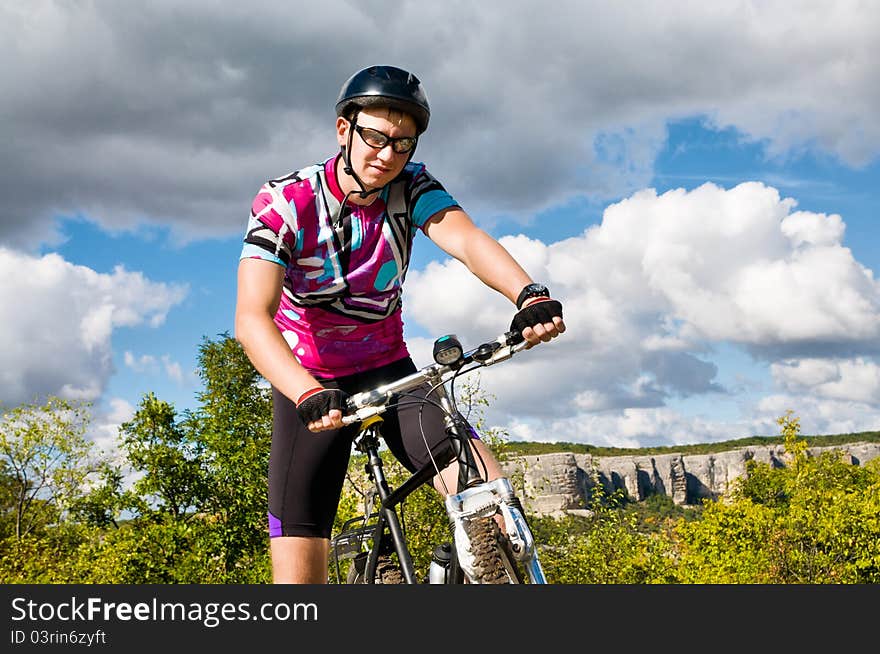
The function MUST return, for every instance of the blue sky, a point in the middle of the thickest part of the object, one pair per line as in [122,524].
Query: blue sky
[708,218]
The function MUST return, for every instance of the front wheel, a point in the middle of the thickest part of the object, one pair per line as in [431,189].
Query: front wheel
[493,562]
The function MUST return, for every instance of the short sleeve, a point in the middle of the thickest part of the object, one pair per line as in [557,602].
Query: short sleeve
[427,196]
[271,230]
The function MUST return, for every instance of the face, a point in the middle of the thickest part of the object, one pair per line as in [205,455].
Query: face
[377,167]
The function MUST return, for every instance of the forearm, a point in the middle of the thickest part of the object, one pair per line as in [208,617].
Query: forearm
[271,356]
[494,266]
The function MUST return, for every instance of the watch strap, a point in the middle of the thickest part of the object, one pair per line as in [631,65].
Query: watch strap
[531,290]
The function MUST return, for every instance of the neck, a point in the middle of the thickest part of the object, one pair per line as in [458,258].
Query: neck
[347,184]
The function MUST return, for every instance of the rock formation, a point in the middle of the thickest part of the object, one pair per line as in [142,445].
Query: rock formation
[561,482]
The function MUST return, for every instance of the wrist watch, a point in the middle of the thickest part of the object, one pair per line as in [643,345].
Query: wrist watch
[532,290]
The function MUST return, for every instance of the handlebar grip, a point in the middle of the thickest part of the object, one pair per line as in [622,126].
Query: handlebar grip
[513,337]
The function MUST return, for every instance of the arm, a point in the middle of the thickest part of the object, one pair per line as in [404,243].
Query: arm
[259,293]
[457,235]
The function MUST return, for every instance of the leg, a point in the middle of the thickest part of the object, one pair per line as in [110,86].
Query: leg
[306,473]
[299,560]
[447,481]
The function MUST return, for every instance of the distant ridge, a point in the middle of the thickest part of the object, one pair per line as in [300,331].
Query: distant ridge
[522,448]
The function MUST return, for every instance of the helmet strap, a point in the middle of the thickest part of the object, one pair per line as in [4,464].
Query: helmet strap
[347,167]
[349,170]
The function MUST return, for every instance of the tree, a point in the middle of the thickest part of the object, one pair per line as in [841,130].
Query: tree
[173,480]
[102,505]
[47,461]
[233,426]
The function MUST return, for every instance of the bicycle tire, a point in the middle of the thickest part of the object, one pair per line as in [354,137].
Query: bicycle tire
[493,561]
[387,572]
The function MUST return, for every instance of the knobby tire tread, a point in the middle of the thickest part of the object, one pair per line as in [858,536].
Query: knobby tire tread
[387,572]
[486,546]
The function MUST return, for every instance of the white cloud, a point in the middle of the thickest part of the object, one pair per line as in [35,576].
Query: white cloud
[648,296]
[173,369]
[143,363]
[848,380]
[819,415]
[149,364]
[104,427]
[629,428]
[57,320]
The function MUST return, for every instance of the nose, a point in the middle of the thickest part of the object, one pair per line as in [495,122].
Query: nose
[386,154]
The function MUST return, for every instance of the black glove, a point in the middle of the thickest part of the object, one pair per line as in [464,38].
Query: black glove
[318,402]
[537,312]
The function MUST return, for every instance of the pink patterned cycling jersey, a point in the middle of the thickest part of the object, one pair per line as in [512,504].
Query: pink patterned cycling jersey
[340,303]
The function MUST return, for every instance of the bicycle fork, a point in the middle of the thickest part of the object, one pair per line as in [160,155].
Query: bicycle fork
[484,500]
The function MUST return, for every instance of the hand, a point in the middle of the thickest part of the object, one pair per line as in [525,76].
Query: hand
[539,320]
[322,408]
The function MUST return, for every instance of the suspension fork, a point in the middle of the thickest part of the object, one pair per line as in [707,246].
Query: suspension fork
[474,491]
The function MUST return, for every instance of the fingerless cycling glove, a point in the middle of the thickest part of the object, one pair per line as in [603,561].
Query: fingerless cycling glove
[316,403]
[539,311]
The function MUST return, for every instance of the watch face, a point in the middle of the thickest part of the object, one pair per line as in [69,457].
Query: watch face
[532,290]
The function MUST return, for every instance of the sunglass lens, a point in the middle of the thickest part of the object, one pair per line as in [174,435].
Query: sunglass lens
[402,146]
[373,138]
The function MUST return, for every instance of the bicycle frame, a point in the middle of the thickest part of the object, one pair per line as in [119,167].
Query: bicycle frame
[474,497]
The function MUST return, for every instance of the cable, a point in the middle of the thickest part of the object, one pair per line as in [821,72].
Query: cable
[458,372]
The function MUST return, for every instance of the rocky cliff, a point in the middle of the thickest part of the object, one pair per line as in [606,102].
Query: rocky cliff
[562,481]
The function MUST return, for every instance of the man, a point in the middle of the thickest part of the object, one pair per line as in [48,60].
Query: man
[318,306]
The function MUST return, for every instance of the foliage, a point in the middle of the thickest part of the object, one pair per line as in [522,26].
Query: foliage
[233,426]
[472,401]
[816,520]
[173,479]
[189,505]
[195,512]
[46,463]
[603,547]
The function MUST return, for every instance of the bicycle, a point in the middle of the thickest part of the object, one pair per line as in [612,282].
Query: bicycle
[481,552]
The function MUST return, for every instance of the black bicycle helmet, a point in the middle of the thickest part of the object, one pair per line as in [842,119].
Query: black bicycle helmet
[386,86]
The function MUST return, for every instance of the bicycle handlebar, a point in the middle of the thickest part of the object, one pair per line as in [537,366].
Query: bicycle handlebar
[373,402]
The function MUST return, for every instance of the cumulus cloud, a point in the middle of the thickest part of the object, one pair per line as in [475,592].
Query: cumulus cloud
[849,380]
[104,427]
[175,115]
[820,415]
[649,296]
[57,320]
[143,363]
[149,364]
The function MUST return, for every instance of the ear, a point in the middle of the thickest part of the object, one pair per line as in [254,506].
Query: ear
[342,127]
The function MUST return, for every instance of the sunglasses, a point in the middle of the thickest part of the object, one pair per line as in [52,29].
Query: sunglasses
[377,140]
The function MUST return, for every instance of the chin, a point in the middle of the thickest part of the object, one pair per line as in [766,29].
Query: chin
[377,181]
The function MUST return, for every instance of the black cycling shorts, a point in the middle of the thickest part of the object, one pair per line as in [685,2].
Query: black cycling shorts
[307,469]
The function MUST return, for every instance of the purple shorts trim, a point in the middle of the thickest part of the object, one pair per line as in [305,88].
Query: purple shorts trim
[274,526]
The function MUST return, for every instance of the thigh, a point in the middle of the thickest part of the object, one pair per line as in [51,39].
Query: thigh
[412,426]
[306,473]
[415,431]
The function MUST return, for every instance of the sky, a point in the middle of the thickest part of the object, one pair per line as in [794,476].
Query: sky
[697,183]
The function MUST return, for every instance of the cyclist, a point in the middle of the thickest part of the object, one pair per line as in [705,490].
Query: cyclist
[318,305]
